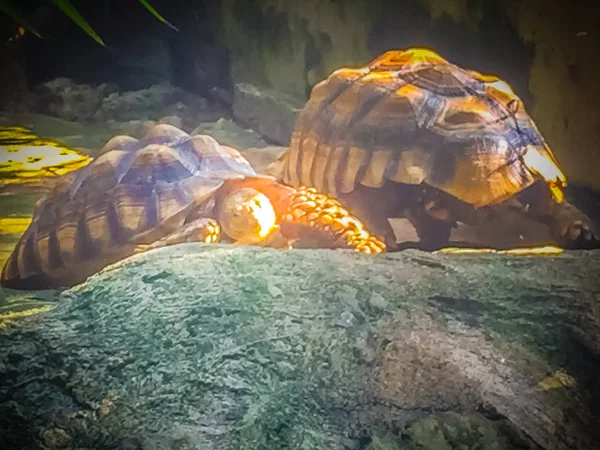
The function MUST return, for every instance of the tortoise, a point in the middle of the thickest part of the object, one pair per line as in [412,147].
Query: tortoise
[167,188]
[412,135]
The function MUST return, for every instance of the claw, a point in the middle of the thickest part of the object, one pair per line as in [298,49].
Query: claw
[575,230]
[212,232]
[320,212]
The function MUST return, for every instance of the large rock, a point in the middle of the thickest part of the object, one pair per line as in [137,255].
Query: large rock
[152,103]
[105,103]
[67,100]
[227,132]
[226,347]
[267,111]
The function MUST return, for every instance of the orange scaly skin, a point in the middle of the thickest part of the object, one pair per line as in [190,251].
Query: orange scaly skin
[304,208]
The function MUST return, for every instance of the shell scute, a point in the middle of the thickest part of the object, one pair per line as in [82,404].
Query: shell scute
[135,192]
[412,117]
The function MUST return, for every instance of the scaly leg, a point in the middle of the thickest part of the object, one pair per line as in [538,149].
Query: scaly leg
[433,232]
[323,214]
[572,228]
[304,211]
[200,230]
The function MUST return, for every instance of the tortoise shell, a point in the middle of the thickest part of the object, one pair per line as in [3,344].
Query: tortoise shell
[135,192]
[412,117]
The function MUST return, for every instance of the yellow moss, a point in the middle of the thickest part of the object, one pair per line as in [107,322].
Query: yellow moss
[546,250]
[558,379]
[11,229]
[14,225]
[25,157]
[9,317]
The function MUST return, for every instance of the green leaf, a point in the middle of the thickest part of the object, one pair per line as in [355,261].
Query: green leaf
[66,7]
[157,15]
[18,17]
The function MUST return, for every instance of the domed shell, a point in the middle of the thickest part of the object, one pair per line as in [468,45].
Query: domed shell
[412,117]
[134,193]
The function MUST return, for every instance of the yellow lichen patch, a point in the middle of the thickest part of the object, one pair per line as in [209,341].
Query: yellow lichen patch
[6,249]
[26,158]
[11,229]
[546,250]
[14,225]
[558,379]
[6,318]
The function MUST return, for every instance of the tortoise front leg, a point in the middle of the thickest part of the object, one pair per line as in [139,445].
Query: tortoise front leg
[327,218]
[200,230]
[572,228]
[304,211]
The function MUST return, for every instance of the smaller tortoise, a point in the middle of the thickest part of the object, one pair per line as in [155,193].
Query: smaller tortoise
[412,135]
[165,189]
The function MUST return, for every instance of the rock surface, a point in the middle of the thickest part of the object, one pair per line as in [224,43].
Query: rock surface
[225,347]
[227,132]
[105,103]
[269,112]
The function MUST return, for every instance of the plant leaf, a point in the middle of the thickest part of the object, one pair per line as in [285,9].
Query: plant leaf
[18,17]
[157,15]
[66,7]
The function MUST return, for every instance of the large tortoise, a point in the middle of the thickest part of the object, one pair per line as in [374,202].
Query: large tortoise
[166,188]
[412,135]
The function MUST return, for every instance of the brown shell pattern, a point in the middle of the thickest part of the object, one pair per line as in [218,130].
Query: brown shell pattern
[412,117]
[135,192]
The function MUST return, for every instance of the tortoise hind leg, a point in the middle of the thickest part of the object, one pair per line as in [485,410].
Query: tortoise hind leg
[433,233]
[422,206]
[200,230]
[375,205]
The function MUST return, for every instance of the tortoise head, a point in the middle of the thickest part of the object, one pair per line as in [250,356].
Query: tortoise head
[247,216]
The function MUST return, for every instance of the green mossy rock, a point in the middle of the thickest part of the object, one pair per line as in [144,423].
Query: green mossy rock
[226,347]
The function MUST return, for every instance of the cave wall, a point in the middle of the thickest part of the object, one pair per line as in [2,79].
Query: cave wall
[544,49]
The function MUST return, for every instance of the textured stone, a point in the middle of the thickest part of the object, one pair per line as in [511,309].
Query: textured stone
[227,132]
[67,100]
[228,347]
[269,112]
[176,121]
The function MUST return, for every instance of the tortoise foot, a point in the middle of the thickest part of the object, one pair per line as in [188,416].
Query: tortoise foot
[579,235]
[200,230]
[573,229]
[326,215]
